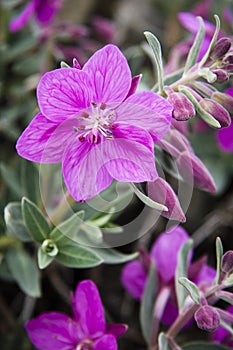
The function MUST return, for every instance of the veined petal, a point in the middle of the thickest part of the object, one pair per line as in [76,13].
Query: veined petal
[133,278]
[44,141]
[84,170]
[166,248]
[148,110]
[90,309]
[130,156]
[21,20]
[64,92]
[51,331]
[107,342]
[110,75]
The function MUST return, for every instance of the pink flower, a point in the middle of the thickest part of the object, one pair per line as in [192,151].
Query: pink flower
[87,328]
[224,136]
[43,10]
[92,121]
[164,254]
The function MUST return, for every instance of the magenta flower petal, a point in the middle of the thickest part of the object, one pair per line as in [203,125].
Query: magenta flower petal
[205,277]
[84,170]
[51,331]
[134,85]
[22,19]
[166,249]
[147,110]
[133,278]
[43,141]
[225,139]
[63,93]
[109,74]
[90,309]
[192,24]
[45,10]
[107,342]
[130,155]
[116,329]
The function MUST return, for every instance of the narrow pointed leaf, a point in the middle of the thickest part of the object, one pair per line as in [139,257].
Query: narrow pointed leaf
[74,255]
[147,305]
[181,271]
[194,51]
[148,201]
[35,221]
[203,346]
[219,254]
[112,256]
[44,259]
[156,48]
[163,342]
[191,288]
[24,271]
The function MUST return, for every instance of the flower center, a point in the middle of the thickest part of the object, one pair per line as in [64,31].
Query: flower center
[96,123]
[85,344]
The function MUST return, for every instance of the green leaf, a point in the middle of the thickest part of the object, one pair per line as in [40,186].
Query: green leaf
[219,254]
[212,43]
[194,51]
[24,271]
[112,256]
[43,258]
[202,113]
[148,201]
[156,48]
[203,346]
[74,255]
[147,305]
[14,221]
[35,221]
[191,288]
[163,342]
[181,271]
[226,296]
[11,179]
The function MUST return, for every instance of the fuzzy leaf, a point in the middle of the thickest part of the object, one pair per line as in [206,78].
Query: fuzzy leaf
[194,51]
[191,288]
[74,255]
[112,256]
[156,48]
[44,259]
[24,271]
[35,221]
[14,221]
[219,254]
[147,305]
[181,271]
[146,200]
[163,342]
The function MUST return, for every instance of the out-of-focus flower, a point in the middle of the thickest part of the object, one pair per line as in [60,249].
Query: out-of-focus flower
[225,136]
[164,254]
[92,121]
[86,329]
[43,11]
[221,335]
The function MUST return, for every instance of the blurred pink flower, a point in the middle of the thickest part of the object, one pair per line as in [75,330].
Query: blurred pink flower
[225,136]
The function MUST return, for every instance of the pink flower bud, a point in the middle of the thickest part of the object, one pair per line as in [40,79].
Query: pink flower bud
[222,75]
[161,192]
[217,111]
[207,318]
[224,100]
[221,47]
[183,108]
[194,171]
[227,262]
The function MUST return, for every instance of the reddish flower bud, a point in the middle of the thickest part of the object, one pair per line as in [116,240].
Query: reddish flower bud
[221,47]
[228,59]
[207,318]
[217,111]
[224,100]
[194,172]
[222,75]
[227,262]
[183,108]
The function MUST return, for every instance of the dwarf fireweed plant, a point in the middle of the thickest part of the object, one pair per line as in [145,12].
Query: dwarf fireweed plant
[96,124]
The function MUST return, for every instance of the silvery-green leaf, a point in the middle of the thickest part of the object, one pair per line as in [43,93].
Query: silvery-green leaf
[44,259]
[203,346]
[156,48]
[147,304]
[148,201]
[226,296]
[24,271]
[14,221]
[191,288]
[74,255]
[219,254]
[163,342]
[35,221]
[64,65]
[194,51]
[112,256]
[181,271]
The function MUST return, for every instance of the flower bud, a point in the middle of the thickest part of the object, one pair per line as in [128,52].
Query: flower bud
[222,75]
[207,318]
[183,108]
[228,59]
[227,262]
[224,100]
[218,112]
[221,47]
